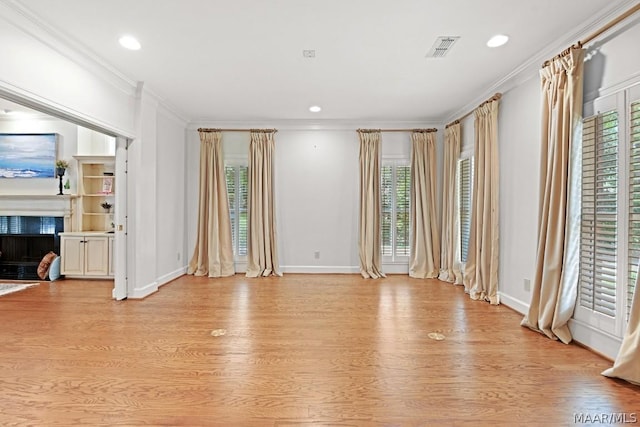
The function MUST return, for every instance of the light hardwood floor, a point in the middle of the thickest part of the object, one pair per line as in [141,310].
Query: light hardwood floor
[301,350]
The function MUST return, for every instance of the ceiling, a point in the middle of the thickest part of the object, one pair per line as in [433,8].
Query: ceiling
[242,60]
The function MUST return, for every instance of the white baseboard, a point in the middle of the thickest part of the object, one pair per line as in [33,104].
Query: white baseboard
[513,303]
[320,269]
[139,293]
[163,280]
[597,340]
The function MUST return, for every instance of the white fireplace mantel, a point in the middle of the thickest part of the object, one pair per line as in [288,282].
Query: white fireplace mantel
[38,205]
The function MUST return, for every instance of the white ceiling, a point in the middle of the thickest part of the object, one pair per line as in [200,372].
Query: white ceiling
[242,60]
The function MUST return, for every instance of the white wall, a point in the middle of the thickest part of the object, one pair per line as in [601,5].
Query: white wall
[519,159]
[317,200]
[142,201]
[170,202]
[67,145]
[92,143]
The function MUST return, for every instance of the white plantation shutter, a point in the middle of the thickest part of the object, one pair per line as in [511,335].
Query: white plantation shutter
[599,228]
[395,195]
[237,189]
[386,195]
[243,191]
[465,178]
[230,173]
[634,201]
[403,212]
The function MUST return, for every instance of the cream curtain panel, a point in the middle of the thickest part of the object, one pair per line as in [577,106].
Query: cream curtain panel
[555,284]
[369,237]
[481,268]
[262,254]
[213,254]
[450,254]
[627,364]
[424,261]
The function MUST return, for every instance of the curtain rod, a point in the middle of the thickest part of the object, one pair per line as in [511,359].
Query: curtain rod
[495,97]
[614,22]
[595,34]
[397,130]
[236,130]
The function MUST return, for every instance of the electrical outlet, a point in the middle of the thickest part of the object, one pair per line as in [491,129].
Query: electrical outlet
[178,256]
[316,254]
[527,285]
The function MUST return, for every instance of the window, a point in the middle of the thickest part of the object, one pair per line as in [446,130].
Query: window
[465,183]
[610,212]
[599,228]
[237,188]
[396,214]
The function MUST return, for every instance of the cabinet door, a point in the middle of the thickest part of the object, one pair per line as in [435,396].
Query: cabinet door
[96,256]
[72,255]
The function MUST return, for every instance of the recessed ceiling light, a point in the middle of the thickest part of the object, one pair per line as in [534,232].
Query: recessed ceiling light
[315,109]
[130,42]
[497,40]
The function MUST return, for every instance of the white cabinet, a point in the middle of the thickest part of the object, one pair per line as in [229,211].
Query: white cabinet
[87,255]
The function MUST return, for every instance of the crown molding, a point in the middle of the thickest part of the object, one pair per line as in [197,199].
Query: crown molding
[24,19]
[529,69]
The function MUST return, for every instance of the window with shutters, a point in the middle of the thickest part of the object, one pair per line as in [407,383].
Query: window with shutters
[465,182]
[396,215]
[610,211]
[599,228]
[237,188]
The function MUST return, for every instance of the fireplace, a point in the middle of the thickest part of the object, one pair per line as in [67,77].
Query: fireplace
[24,241]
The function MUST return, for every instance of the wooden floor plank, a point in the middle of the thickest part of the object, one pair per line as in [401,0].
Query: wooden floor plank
[300,350]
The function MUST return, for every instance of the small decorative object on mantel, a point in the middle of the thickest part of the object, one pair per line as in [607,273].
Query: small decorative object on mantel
[61,167]
[106,206]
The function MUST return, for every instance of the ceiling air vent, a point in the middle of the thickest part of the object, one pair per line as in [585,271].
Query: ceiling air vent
[442,46]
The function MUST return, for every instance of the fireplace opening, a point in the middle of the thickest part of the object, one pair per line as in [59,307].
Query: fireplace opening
[24,241]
